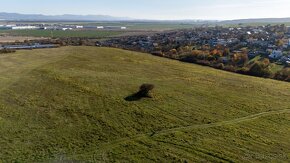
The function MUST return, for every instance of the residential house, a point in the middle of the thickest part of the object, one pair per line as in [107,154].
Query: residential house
[221,42]
[252,54]
[285,59]
[276,54]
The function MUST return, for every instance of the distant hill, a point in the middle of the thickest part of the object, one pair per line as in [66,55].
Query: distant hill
[66,17]
[71,17]
[262,20]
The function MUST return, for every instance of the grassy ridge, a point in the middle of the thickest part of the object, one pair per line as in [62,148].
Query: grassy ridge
[68,103]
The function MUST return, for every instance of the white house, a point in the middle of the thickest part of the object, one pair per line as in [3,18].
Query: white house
[221,42]
[276,54]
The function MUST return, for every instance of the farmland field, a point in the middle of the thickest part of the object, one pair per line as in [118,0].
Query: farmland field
[67,104]
[59,33]
[149,26]
[17,38]
[144,26]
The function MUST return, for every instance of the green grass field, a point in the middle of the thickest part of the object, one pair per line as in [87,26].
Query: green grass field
[67,104]
[155,26]
[59,33]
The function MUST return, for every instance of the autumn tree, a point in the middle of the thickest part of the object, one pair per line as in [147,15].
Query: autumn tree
[226,52]
[279,43]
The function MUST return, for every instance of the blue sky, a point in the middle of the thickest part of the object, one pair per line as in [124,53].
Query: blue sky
[154,9]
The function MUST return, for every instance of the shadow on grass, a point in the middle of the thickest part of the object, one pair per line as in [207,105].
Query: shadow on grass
[136,97]
[142,93]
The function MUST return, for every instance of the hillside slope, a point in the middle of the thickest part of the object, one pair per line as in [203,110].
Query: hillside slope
[68,104]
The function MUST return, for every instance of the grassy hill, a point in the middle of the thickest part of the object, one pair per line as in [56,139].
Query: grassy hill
[68,104]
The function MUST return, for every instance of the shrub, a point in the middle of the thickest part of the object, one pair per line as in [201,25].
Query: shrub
[203,62]
[157,53]
[283,75]
[189,58]
[259,69]
[145,89]
[230,68]
[219,66]
[7,51]
[243,70]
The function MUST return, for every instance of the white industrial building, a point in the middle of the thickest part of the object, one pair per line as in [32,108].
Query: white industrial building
[24,27]
[65,29]
[79,27]
[115,27]
[7,27]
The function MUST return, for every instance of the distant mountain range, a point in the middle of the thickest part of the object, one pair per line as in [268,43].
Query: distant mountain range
[70,17]
[260,20]
[66,17]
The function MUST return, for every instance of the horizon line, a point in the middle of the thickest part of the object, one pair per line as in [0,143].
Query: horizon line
[128,18]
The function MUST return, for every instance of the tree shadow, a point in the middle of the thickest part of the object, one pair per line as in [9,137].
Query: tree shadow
[137,96]
[142,93]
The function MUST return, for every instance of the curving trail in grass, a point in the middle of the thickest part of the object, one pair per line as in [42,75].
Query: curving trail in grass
[103,148]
